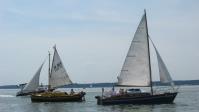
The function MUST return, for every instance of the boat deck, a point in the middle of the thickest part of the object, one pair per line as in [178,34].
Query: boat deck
[58,97]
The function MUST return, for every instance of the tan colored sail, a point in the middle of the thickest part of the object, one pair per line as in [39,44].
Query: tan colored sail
[58,76]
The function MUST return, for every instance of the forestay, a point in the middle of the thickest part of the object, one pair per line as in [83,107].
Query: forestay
[135,70]
[58,76]
[34,82]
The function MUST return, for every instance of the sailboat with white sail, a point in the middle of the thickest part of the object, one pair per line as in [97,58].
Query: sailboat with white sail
[136,72]
[32,86]
[57,77]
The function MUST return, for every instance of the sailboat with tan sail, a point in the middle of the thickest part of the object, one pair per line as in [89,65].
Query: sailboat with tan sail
[57,77]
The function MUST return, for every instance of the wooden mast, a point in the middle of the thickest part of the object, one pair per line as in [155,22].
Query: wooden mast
[151,85]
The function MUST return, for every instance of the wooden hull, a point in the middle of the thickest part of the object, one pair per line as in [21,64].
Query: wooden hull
[58,98]
[164,98]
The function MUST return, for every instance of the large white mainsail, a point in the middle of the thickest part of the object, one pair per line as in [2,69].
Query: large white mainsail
[135,70]
[165,76]
[58,75]
[34,82]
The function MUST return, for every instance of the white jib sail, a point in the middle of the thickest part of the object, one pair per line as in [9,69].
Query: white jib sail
[135,70]
[34,82]
[165,76]
[58,76]
[163,71]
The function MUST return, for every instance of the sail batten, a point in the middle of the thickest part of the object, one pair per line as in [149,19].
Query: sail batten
[34,82]
[58,76]
[135,70]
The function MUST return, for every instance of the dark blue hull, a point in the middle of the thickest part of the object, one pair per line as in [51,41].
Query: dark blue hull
[164,98]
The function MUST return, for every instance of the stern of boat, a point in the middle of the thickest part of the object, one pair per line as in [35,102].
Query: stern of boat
[99,100]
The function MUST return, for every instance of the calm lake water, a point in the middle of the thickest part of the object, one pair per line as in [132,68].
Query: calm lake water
[186,101]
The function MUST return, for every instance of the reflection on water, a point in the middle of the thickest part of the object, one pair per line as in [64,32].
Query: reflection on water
[7,96]
[132,108]
[143,108]
[187,100]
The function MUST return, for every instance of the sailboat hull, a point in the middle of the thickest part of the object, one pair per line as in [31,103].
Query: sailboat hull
[164,98]
[57,97]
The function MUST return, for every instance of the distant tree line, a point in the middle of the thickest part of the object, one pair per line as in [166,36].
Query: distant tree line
[100,85]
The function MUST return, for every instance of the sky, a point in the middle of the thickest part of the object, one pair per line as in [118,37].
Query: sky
[93,37]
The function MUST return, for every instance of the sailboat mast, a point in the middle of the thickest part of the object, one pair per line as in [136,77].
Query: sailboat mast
[49,72]
[151,85]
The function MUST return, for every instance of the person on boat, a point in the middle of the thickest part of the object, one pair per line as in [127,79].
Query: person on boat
[72,92]
[51,90]
[113,92]
[107,93]
[102,92]
[121,91]
[113,88]
[125,92]
[110,93]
